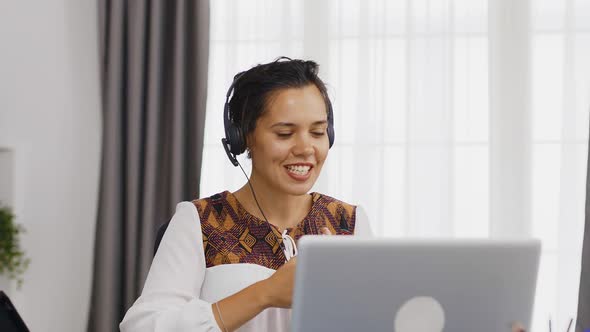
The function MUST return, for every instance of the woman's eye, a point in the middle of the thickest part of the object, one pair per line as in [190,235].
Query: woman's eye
[318,133]
[284,135]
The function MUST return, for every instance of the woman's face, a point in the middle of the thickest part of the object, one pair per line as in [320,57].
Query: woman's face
[290,142]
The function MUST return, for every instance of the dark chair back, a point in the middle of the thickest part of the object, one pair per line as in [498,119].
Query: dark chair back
[159,236]
[10,320]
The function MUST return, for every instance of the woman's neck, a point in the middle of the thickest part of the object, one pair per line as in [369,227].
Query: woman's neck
[281,209]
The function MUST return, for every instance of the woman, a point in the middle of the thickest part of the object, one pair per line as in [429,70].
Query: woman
[226,262]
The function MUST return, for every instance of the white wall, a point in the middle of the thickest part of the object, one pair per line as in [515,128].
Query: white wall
[50,117]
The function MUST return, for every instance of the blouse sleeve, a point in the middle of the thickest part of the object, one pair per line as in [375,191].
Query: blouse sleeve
[169,300]
[362,226]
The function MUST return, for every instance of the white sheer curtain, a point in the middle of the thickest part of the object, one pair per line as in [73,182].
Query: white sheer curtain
[418,137]
[561,101]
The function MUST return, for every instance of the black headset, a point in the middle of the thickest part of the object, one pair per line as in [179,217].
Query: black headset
[234,142]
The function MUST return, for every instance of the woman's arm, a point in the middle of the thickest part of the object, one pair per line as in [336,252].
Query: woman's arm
[235,310]
[169,300]
[276,291]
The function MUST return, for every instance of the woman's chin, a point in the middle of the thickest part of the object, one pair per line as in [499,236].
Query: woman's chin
[297,189]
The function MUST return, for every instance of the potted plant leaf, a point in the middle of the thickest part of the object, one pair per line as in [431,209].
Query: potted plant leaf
[13,261]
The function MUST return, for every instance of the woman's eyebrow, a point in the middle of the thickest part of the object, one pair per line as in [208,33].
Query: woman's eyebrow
[317,123]
[283,124]
[289,124]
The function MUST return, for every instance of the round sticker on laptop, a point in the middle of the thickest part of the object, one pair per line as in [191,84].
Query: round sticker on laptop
[420,314]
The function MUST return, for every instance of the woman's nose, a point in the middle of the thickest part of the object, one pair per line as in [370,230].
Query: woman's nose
[303,146]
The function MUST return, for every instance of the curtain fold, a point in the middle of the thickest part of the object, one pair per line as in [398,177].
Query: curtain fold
[154,78]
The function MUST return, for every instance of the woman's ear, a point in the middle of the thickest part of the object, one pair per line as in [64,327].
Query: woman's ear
[249,141]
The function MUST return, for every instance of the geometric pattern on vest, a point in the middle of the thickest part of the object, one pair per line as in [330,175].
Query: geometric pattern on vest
[231,235]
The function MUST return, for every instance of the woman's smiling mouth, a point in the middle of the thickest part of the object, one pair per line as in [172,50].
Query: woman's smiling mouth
[299,172]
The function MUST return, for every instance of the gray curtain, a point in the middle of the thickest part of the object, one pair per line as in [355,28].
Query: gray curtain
[583,317]
[154,85]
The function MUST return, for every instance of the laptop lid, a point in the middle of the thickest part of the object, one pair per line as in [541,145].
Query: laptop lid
[352,284]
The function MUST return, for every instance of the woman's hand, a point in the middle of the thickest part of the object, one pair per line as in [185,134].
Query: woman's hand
[517,327]
[278,288]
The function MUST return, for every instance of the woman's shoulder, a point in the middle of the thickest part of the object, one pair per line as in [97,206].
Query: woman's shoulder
[216,199]
[333,206]
[341,216]
[331,201]
[353,216]
[218,207]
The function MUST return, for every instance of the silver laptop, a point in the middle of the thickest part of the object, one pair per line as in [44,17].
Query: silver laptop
[369,285]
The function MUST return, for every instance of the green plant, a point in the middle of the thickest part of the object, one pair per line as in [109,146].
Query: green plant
[13,262]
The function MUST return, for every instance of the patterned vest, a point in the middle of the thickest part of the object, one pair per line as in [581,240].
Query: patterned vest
[232,235]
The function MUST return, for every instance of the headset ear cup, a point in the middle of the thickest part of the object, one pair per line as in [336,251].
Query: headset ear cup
[331,135]
[236,140]
[330,130]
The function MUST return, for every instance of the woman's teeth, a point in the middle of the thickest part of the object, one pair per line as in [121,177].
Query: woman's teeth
[299,170]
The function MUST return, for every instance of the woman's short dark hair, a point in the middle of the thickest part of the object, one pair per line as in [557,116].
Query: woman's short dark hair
[254,87]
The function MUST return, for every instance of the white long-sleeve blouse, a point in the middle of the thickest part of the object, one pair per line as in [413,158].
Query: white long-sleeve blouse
[190,271]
